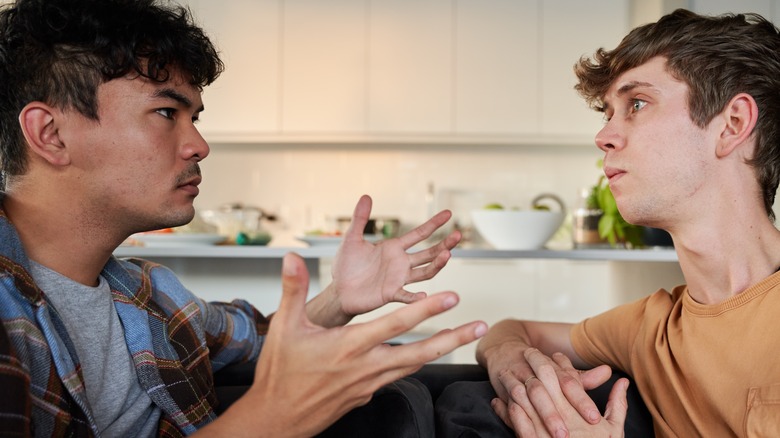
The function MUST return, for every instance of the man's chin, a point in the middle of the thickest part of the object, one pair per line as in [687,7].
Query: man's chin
[171,221]
[183,220]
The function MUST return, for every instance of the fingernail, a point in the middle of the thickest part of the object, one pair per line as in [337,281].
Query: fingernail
[480,330]
[289,266]
[449,302]
[561,433]
[593,416]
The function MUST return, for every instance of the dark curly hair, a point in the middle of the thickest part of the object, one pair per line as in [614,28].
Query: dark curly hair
[717,57]
[60,51]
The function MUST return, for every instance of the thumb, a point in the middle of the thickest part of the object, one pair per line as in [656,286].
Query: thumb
[617,405]
[359,218]
[295,287]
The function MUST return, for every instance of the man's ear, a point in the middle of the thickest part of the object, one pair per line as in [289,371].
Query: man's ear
[40,127]
[740,116]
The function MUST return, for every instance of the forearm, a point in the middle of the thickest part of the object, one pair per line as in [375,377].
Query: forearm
[516,336]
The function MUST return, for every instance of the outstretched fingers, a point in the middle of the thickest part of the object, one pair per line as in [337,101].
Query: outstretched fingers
[406,318]
[425,230]
[427,269]
[441,343]
[426,263]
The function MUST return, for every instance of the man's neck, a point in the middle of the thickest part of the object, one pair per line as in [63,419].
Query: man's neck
[61,237]
[717,268]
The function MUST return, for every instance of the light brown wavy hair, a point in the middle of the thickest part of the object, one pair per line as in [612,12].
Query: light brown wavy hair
[717,57]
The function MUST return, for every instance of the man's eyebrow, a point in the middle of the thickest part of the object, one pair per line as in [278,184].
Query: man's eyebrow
[169,93]
[625,88]
[631,85]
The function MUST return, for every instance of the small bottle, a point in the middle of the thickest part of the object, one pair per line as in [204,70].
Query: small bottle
[585,222]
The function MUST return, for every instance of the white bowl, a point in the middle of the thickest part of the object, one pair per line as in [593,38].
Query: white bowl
[514,229]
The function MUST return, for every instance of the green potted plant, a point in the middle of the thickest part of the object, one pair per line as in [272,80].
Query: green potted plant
[612,226]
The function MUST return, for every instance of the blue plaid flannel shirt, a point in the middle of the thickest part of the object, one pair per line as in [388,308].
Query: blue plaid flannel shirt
[176,340]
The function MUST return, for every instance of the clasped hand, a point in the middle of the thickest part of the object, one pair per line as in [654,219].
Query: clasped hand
[545,397]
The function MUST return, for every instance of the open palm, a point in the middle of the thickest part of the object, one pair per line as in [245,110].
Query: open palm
[368,275]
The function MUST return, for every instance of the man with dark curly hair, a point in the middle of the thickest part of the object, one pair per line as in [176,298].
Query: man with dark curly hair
[691,145]
[98,104]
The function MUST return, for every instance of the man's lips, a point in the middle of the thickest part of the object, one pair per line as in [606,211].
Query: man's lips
[191,185]
[613,174]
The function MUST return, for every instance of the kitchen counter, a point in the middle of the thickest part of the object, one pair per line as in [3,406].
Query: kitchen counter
[318,252]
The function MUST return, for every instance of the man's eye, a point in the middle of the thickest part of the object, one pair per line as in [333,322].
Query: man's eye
[637,104]
[166,112]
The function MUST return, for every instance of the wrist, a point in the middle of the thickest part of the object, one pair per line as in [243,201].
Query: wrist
[326,310]
[501,356]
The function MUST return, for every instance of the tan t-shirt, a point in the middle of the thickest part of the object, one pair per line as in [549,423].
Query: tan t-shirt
[703,370]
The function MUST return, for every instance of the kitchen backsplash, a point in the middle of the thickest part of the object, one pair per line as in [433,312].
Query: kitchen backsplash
[308,186]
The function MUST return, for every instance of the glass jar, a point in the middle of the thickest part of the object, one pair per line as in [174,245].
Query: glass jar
[585,223]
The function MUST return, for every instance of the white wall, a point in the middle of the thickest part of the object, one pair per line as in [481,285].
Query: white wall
[305,184]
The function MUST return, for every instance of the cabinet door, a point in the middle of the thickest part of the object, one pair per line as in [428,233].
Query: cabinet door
[497,67]
[570,291]
[244,101]
[490,290]
[410,66]
[570,30]
[715,7]
[324,66]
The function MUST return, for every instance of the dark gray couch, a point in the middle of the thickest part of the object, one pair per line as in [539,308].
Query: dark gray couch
[233,381]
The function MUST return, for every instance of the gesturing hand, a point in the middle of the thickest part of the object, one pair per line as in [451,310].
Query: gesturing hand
[308,376]
[367,276]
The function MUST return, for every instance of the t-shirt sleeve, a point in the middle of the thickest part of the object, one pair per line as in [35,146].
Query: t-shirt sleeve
[608,338]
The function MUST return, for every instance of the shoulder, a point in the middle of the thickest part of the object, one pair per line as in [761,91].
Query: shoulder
[138,276]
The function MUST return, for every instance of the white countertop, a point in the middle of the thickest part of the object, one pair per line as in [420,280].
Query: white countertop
[317,252]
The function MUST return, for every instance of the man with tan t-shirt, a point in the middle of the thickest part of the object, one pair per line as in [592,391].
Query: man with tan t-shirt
[691,145]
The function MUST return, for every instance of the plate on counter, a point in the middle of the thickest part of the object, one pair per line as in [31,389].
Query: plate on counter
[178,239]
[333,240]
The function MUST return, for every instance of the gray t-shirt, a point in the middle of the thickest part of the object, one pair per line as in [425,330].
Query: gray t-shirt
[118,402]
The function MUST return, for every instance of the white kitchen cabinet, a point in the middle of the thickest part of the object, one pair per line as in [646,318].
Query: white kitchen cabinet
[766,8]
[646,11]
[497,53]
[570,30]
[514,64]
[244,102]
[410,66]
[404,70]
[324,55]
